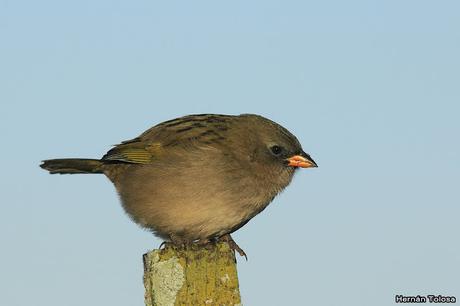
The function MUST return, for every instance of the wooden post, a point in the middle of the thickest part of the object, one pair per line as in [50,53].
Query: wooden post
[197,275]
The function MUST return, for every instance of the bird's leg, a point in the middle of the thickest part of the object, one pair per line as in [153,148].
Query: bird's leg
[208,244]
[232,244]
[203,242]
[178,241]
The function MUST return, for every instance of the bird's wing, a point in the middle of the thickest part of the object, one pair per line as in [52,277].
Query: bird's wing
[189,133]
[134,151]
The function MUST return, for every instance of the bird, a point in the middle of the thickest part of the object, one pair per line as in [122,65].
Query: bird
[198,178]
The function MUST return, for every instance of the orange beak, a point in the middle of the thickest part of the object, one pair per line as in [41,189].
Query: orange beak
[302,161]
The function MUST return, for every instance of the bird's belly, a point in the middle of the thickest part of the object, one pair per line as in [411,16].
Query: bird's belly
[190,220]
[189,206]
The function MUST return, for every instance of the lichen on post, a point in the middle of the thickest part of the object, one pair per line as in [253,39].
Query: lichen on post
[196,275]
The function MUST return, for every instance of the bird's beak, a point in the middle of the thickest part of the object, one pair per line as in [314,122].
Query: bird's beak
[303,161]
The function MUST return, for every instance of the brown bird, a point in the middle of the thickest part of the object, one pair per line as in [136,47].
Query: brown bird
[198,178]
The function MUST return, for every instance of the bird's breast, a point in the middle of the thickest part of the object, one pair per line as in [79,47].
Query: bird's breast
[194,199]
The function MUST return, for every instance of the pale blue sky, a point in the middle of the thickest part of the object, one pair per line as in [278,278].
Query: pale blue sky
[371,89]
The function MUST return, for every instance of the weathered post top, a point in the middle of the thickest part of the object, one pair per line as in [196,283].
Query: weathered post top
[196,275]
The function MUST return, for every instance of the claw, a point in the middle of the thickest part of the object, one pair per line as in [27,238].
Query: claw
[233,245]
[163,244]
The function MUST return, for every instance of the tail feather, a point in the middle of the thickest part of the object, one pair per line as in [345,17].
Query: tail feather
[72,165]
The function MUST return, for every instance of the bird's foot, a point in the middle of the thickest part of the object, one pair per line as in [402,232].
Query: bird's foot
[176,242]
[179,242]
[169,244]
[233,245]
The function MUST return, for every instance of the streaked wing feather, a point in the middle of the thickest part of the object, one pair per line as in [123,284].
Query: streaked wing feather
[188,132]
[136,152]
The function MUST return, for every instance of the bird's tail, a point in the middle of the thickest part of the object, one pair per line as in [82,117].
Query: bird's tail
[72,165]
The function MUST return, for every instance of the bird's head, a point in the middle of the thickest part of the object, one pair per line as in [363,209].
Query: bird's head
[274,146]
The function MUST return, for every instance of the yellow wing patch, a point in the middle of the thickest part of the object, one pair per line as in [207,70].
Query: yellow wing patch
[136,153]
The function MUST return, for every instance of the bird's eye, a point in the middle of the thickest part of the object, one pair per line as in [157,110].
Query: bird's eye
[276,150]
